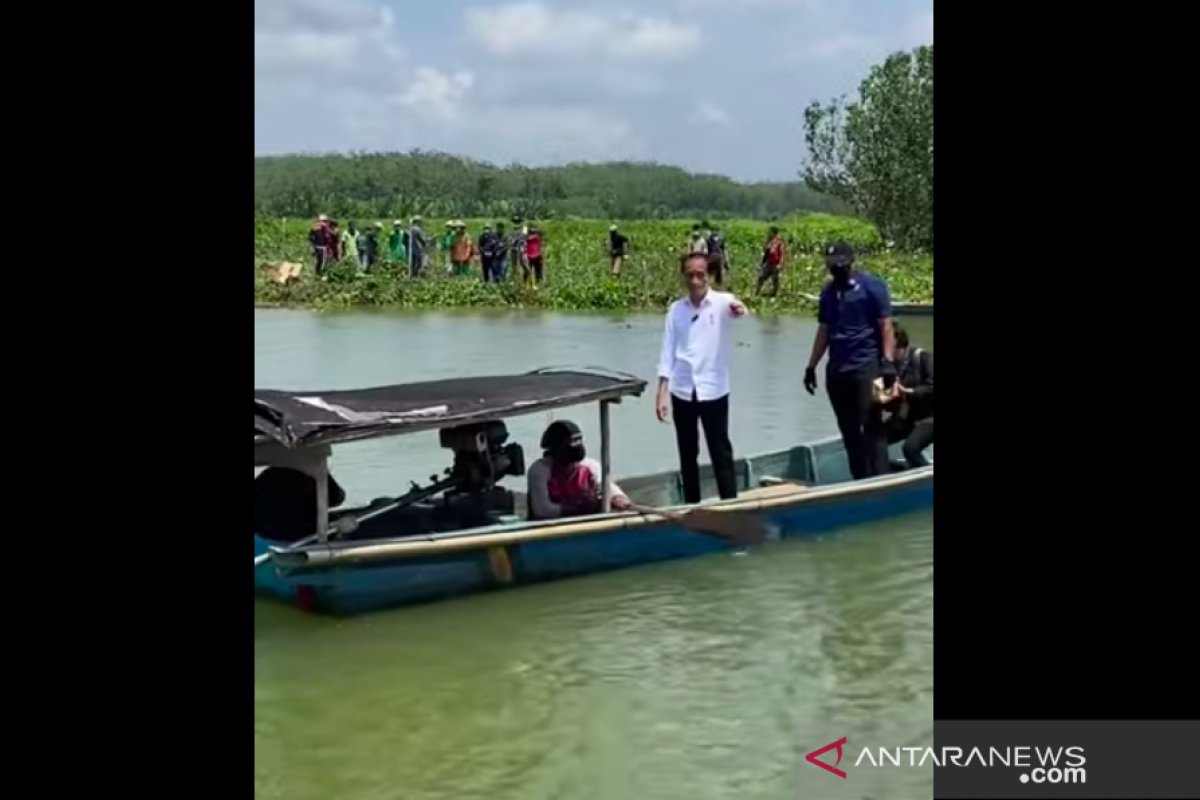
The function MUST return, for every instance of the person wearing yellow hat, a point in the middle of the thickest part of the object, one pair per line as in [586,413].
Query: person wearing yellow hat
[462,249]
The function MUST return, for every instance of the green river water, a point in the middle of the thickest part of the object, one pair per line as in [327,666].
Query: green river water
[682,681]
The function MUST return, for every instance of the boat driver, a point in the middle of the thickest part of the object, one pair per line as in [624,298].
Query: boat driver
[285,503]
[564,482]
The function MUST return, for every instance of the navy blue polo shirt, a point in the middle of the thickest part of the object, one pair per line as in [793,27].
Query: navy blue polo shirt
[851,316]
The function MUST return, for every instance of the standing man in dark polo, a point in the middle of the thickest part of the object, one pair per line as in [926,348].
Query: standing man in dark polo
[693,377]
[854,316]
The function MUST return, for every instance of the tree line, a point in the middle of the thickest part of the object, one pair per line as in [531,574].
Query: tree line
[875,151]
[398,185]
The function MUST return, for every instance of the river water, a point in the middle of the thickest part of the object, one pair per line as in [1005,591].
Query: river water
[682,681]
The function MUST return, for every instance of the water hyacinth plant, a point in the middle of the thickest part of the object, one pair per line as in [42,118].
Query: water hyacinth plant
[577,267]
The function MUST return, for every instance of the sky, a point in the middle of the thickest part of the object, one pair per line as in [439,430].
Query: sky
[709,85]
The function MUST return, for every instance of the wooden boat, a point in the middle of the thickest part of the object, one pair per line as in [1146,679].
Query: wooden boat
[465,533]
[899,308]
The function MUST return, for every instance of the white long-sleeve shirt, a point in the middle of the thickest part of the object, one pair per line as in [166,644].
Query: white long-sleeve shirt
[697,344]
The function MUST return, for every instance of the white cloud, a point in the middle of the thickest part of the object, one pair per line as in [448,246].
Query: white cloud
[531,30]
[557,80]
[323,68]
[323,36]
[708,113]
[436,94]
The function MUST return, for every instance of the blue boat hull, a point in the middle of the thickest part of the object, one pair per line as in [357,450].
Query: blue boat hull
[362,587]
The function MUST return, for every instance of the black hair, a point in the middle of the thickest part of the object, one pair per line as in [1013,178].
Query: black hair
[900,334]
[559,433]
[687,257]
[774,230]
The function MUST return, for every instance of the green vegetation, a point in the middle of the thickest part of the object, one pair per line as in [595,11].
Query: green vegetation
[577,268]
[392,185]
[876,152]
[872,155]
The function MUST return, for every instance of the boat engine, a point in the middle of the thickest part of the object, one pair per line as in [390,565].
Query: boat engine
[481,457]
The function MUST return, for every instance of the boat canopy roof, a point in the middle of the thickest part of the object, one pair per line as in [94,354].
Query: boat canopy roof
[303,419]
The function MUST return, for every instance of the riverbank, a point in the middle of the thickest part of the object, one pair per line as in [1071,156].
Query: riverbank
[577,275]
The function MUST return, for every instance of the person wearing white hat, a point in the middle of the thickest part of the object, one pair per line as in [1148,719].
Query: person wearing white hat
[320,238]
[618,248]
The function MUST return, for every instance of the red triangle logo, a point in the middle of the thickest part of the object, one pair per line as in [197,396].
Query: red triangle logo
[812,757]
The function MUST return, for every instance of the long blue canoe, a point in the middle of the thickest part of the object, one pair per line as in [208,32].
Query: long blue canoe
[402,556]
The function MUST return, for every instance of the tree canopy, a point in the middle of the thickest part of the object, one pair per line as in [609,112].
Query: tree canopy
[876,152]
[382,185]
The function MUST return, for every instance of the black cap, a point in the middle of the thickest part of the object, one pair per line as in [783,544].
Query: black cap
[560,432]
[839,254]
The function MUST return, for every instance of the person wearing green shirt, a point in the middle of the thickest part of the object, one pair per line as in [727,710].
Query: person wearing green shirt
[397,254]
[350,243]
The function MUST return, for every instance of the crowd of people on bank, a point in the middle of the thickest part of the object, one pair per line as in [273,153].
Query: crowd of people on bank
[410,246]
[497,249]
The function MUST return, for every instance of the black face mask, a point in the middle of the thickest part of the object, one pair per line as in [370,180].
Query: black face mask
[841,274]
[575,453]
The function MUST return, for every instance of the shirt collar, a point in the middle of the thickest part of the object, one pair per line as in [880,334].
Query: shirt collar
[704,301]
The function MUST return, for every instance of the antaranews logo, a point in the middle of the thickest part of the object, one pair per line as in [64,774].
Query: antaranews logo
[1041,763]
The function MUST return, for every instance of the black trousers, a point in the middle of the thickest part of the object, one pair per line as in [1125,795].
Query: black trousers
[768,272]
[713,415]
[535,267]
[917,436]
[860,421]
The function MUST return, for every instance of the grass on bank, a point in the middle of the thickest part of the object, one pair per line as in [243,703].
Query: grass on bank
[577,276]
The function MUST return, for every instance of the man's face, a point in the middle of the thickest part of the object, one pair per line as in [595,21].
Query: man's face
[695,276]
[839,268]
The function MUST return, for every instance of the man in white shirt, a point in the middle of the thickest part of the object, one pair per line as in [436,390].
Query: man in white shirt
[693,377]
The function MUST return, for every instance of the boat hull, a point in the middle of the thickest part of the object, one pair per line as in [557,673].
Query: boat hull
[522,554]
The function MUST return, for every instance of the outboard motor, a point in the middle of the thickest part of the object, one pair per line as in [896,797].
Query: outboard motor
[481,457]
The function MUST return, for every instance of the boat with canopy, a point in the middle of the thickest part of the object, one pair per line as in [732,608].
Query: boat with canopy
[465,531]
